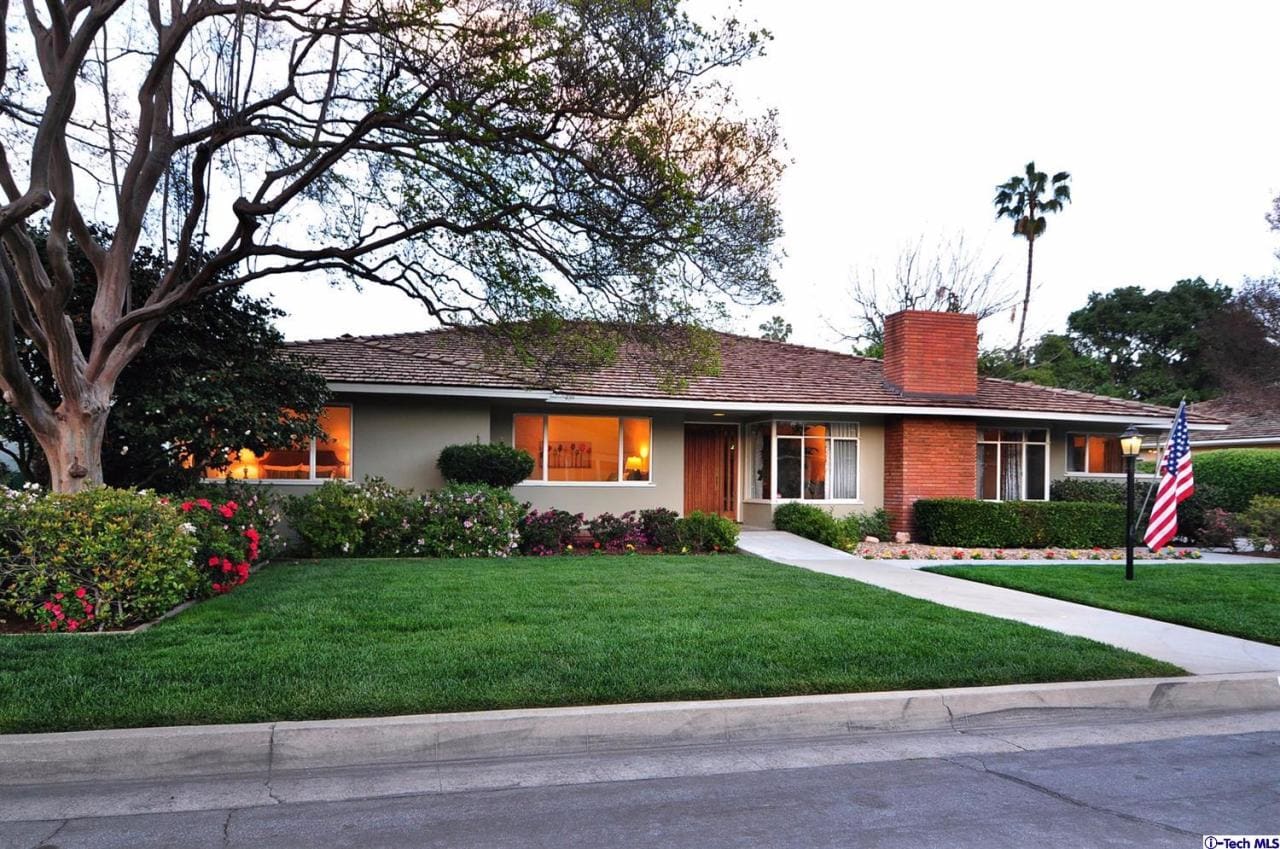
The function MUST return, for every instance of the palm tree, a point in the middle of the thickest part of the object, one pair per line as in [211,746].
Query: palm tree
[1022,199]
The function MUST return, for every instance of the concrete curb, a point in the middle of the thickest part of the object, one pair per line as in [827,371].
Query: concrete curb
[261,748]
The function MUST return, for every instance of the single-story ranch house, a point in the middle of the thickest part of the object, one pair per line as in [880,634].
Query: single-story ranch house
[780,423]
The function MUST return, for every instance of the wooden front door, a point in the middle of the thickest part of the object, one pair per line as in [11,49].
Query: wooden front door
[711,469]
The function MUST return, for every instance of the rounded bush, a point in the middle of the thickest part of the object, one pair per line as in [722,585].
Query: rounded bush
[548,531]
[707,532]
[808,521]
[328,520]
[484,463]
[1238,475]
[96,559]
[471,520]
[661,528]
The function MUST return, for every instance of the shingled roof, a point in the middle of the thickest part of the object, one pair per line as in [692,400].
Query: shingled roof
[755,371]
[1255,420]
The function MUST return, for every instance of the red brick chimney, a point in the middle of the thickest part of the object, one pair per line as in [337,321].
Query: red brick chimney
[931,353]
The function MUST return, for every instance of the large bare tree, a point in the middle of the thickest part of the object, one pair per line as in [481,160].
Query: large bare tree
[946,275]
[495,159]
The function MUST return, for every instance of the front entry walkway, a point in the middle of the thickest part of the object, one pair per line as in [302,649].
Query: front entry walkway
[1198,652]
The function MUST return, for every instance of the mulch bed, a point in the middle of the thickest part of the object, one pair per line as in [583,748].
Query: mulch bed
[916,551]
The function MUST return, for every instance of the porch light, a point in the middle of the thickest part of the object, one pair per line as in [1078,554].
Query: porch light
[1131,442]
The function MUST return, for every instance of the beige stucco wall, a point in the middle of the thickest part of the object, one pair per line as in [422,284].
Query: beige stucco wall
[664,489]
[399,438]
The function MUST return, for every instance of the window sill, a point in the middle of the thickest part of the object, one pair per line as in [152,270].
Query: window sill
[592,484]
[279,481]
[1110,475]
[803,501]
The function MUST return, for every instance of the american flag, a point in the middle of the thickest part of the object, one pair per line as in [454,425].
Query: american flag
[1176,484]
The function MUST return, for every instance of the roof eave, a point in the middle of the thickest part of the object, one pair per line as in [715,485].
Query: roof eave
[552,397]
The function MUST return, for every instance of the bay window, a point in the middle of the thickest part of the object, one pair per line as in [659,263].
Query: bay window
[803,461]
[1012,465]
[1095,454]
[585,449]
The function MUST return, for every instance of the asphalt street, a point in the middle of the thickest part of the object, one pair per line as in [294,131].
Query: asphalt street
[1155,785]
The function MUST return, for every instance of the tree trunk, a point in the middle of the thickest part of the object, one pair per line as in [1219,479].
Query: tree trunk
[1026,302]
[74,451]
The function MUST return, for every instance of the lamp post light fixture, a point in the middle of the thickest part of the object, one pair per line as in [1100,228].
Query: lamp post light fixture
[1130,447]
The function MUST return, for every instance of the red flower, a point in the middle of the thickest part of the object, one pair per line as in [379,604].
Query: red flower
[53,626]
[58,596]
[81,592]
[88,609]
[213,561]
[204,502]
[72,624]
[226,511]
[186,506]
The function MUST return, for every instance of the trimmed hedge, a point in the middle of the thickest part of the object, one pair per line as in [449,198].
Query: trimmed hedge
[1238,475]
[965,523]
[808,521]
[492,464]
[1085,489]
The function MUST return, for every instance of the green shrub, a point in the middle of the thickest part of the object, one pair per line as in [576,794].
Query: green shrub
[1237,475]
[391,520]
[96,559]
[1197,514]
[1086,489]
[1262,522]
[226,544]
[485,463]
[548,532]
[328,520]
[1218,530]
[261,508]
[856,527]
[470,520]
[808,521]
[703,532]
[660,527]
[970,523]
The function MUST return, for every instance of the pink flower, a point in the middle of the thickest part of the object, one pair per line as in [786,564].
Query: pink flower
[58,596]
[72,624]
[186,506]
[81,592]
[204,502]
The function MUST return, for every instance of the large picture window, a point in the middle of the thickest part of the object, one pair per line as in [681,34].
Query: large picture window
[1095,454]
[1011,465]
[586,449]
[317,459]
[803,461]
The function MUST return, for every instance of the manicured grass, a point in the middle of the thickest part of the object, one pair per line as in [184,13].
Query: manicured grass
[345,638]
[1241,600]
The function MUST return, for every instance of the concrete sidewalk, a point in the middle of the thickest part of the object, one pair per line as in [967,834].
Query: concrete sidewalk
[1198,652]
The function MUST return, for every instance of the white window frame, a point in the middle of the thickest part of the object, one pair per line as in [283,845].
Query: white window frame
[622,457]
[774,497]
[311,479]
[1046,444]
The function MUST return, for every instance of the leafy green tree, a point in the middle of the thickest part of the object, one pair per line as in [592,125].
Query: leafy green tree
[1025,199]
[776,329]
[497,160]
[1054,360]
[1152,342]
[220,380]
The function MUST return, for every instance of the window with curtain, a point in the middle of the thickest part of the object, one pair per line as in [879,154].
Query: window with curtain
[1095,454]
[807,461]
[1011,465]
[325,458]
[586,449]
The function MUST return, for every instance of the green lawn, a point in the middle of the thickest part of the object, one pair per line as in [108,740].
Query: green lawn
[1240,600]
[342,638]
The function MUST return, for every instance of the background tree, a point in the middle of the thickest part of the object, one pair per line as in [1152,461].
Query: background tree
[1022,199]
[221,379]
[948,276]
[498,160]
[1240,344]
[776,329]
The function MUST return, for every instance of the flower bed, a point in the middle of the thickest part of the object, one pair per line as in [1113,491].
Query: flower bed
[916,551]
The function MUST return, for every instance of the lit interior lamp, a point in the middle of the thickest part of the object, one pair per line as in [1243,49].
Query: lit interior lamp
[635,468]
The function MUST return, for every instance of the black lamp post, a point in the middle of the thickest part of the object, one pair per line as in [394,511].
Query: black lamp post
[1130,447]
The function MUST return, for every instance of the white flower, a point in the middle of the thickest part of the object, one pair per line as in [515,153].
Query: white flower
[187,528]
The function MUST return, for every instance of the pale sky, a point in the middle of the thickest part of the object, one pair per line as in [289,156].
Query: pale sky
[901,118]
